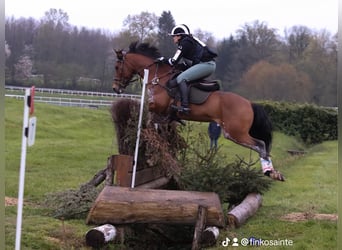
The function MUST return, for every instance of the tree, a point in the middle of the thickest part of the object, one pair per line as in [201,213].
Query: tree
[260,41]
[51,36]
[7,54]
[23,68]
[165,25]
[319,61]
[298,39]
[228,67]
[144,25]
[56,18]
[19,36]
[205,37]
[265,81]
[7,50]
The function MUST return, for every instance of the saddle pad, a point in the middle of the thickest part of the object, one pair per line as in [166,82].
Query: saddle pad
[198,96]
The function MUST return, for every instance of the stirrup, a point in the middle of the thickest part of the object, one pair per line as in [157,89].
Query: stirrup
[181,109]
[184,110]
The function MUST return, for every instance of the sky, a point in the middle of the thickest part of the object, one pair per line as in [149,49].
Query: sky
[219,17]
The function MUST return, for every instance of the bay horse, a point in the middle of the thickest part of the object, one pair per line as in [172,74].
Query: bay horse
[242,121]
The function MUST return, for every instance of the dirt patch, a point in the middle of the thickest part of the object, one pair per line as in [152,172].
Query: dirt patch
[308,216]
[9,201]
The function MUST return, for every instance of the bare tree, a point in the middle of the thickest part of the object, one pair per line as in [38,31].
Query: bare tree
[56,18]
[319,61]
[23,68]
[206,37]
[144,25]
[261,41]
[298,39]
[7,50]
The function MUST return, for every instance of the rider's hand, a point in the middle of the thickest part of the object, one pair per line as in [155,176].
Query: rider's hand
[162,60]
[181,66]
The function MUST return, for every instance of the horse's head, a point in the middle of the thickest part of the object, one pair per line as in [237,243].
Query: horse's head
[140,56]
[123,73]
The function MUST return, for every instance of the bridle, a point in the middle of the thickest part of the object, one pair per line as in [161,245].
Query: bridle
[123,82]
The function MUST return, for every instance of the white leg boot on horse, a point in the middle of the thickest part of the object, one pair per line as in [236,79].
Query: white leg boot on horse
[265,160]
[268,170]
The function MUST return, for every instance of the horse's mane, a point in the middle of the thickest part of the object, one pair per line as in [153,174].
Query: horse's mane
[144,49]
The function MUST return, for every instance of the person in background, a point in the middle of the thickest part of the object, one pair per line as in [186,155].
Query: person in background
[214,131]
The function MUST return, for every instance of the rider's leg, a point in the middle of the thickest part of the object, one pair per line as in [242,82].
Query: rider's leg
[183,88]
[198,71]
[195,72]
[172,83]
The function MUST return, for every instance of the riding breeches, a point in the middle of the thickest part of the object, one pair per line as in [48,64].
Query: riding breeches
[198,71]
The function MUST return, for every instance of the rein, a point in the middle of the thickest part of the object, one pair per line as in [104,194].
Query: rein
[154,81]
[122,80]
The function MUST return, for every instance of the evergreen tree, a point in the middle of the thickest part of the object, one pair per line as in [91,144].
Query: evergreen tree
[165,24]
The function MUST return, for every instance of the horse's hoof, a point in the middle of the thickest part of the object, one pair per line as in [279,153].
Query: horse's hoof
[276,175]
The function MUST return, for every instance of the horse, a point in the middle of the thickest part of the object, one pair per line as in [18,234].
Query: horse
[243,122]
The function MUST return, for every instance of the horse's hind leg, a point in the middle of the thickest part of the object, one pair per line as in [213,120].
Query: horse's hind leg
[259,146]
[244,139]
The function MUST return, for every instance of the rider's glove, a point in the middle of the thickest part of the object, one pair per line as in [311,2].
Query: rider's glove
[163,60]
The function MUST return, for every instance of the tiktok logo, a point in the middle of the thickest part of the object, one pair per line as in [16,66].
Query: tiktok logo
[225,243]
[235,241]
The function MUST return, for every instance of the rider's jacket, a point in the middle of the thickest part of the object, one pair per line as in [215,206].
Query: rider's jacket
[192,50]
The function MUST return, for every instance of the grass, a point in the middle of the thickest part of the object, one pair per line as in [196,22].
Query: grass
[311,187]
[72,144]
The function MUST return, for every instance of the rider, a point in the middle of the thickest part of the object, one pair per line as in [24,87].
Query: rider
[198,57]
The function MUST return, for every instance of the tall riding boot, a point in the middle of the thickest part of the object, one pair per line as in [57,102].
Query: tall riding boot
[183,87]
[172,83]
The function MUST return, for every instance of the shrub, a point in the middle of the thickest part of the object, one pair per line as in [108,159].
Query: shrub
[204,170]
[310,123]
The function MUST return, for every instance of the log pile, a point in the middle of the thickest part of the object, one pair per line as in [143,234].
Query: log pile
[163,214]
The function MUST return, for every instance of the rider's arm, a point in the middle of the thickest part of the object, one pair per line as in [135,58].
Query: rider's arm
[178,55]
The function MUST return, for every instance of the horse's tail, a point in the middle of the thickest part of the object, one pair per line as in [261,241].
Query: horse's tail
[262,127]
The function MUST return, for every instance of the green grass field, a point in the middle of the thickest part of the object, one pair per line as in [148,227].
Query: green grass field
[72,145]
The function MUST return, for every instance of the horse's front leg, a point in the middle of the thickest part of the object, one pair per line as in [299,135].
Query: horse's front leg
[158,102]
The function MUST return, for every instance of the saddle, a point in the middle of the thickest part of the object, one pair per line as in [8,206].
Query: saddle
[199,90]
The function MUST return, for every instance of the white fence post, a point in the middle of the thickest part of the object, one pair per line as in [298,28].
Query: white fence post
[22,168]
[146,71]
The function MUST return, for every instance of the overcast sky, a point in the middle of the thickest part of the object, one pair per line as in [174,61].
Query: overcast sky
[219,17]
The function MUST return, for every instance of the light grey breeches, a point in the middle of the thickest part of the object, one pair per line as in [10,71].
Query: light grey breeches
[198,71]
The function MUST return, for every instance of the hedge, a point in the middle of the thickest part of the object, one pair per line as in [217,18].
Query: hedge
[313,124]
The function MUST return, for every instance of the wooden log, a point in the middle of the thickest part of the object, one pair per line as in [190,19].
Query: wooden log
[98,178]
[200,224]
[158,183]
[209,236]
[121,205]
[247,208]
[101,235]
